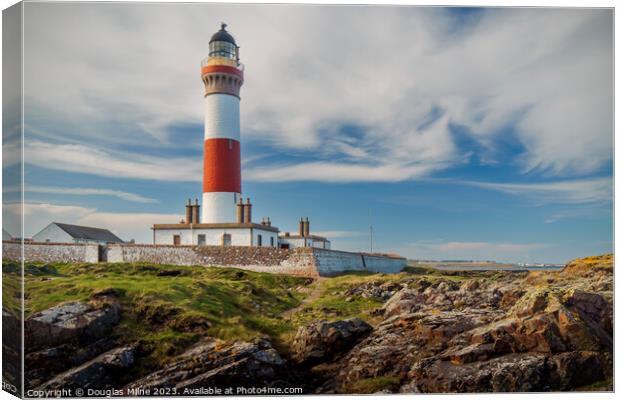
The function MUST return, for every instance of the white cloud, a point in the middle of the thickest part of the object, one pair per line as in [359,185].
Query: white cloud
[125,225]
[38,215]
[337,234]
[336,172]
[85,159]
[129,225]
[564,192]
[84,192]
[122,73]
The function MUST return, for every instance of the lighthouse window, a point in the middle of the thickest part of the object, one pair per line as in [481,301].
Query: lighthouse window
[223,49]
[202,240]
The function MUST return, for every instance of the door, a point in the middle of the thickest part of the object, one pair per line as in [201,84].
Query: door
[176,240]
[103,253]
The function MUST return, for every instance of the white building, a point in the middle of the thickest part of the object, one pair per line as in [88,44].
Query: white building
[288,241]
[303,238]
[66,233]
[225,234]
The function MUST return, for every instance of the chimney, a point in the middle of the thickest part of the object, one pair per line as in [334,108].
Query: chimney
[306,227]
[196,213]
[188,212]
[247,211]
[301,226]
[268,222]
[240,207]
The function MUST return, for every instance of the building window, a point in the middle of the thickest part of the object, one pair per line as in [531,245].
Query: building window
[271,241]
[176,240]
[260,240]
[226,239]
[202,240]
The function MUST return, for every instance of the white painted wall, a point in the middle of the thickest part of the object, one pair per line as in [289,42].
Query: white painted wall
[222,117]
[52,233]
[219,207]
[333,262]
[267,235]
[299,242]
[213,236]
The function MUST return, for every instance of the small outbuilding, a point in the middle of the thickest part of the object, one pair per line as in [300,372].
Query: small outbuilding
[304,238]
[57,232]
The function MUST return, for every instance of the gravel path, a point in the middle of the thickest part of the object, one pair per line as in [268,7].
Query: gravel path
[315,293]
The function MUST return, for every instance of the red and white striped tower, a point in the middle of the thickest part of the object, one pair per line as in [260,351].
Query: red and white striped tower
[222,75]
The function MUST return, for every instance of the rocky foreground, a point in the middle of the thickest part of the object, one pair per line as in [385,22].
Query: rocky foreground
[452,332]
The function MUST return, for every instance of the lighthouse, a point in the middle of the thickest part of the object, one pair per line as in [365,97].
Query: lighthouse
[226,218]
[222,75]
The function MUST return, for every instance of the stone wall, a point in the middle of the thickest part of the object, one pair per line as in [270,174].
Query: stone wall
[298,261]
[156,254]
[51,252]
[334,262]
[385,264]
[260,259]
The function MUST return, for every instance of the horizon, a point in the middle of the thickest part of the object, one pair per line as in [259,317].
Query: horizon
[457,133]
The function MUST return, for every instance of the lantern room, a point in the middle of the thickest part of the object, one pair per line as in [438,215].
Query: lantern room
[223,49]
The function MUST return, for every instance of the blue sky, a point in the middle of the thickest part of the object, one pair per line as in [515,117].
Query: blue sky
[458,133]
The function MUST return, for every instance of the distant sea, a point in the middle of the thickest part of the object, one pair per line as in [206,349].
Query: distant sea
[499,268]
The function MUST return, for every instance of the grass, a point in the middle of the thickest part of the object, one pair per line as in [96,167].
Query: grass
[11,291]
[162,312]
[603,262]
[373,385]
[600,386]
[166,308]
[332,304]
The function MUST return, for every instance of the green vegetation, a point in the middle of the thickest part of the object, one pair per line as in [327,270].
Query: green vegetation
[167,307]
[332,303]
[603,263]
[600,386]
[11,288]
[373,385]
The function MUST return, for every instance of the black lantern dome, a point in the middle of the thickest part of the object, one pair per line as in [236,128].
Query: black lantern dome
[222,36]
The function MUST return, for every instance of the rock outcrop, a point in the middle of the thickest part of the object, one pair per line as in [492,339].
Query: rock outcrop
[71,336]
[514,372]
[103,372]
[499,332]
[459,332]
[214,363]
[73,321]
[323,340]
[374,290]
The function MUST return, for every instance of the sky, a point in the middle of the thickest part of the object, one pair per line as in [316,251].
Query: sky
[457,133]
